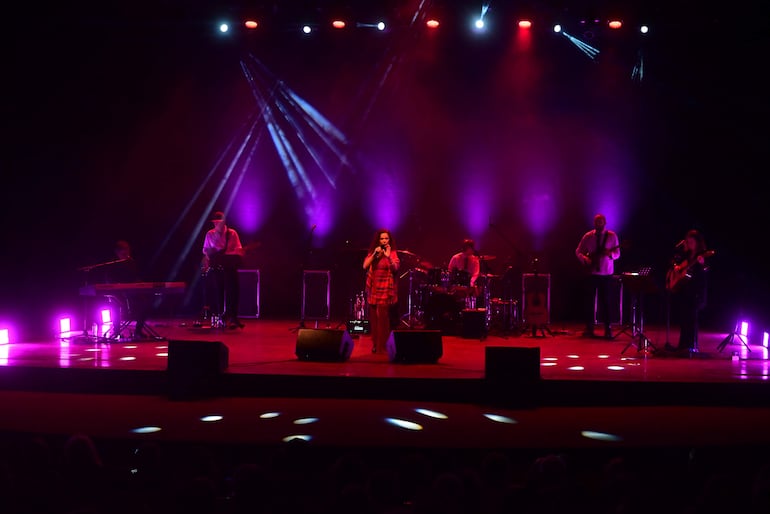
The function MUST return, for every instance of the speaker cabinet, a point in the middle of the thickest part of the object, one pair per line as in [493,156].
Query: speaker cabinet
[195,368]
[616,302]
[512,375]
[473,323]
[536,298]
[415,346]
[324,344]
[248,304]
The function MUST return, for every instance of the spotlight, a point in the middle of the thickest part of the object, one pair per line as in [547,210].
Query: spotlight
[765,337]
[4,336]
[644,29]
[338,24]
[306,29]
[479,24]
[224,27]
[251,24]
[381,25]
[525,24]
[557,28]
[615,24]
[432,23]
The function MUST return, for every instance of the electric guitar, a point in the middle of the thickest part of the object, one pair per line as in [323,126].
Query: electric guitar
[680,273]
[593,256]
[220,260]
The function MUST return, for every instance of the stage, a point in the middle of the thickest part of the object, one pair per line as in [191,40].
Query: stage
[619,391]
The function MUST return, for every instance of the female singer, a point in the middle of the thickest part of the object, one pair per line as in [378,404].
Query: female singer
[381,264]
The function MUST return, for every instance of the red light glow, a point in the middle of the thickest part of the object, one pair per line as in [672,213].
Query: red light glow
[615,24]
[525,24]
[432,24]
[250,24]
[338,24]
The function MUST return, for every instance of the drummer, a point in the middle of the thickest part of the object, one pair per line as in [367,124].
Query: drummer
[465,267]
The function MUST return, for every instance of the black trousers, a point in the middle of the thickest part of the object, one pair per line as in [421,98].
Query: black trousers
[597,286]
[223,292]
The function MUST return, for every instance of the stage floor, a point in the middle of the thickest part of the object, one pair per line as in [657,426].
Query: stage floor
[592,392]
[268,347]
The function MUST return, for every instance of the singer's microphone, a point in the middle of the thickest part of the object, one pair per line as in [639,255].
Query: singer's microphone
[383,247]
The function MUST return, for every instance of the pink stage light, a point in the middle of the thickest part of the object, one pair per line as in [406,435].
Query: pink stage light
[765,337]
[106,317]
[65,326]
[744,331]
[5,337]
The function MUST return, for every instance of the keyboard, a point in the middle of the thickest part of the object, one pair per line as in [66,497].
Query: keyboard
[133,287]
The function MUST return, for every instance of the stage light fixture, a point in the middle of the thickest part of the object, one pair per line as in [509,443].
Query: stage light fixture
[765,338]
[224,27]
[4,336]
[251,24]
[525,24]
[338,24]
[381,25]
[479,24]
[615,24]
[432,23]
[306,29]
[557,28]
[644,29]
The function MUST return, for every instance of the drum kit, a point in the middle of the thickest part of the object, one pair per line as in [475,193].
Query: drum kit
[436,297]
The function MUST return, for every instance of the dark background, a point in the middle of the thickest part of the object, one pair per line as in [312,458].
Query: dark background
[114,115]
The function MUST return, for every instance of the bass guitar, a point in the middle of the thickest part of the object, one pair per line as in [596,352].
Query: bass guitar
[677,275]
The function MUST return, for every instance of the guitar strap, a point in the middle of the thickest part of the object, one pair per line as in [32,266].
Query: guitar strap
[599,249]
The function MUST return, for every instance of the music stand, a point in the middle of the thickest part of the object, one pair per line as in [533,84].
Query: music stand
[638,283]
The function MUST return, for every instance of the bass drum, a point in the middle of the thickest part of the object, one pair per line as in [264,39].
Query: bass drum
[442,312]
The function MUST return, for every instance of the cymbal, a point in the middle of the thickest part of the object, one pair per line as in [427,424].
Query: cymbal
[490,275]
[426,265]
[407,252]
[487,257]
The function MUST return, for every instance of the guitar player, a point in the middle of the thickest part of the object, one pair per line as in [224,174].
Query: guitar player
[687,282]
[597,251]
[222,256]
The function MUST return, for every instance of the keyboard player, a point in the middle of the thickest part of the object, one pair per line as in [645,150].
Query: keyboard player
[132,306]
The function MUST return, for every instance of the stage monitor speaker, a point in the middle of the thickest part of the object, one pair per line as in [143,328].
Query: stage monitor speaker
[195,368]
[512,374]
[415,346]
[324,344]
